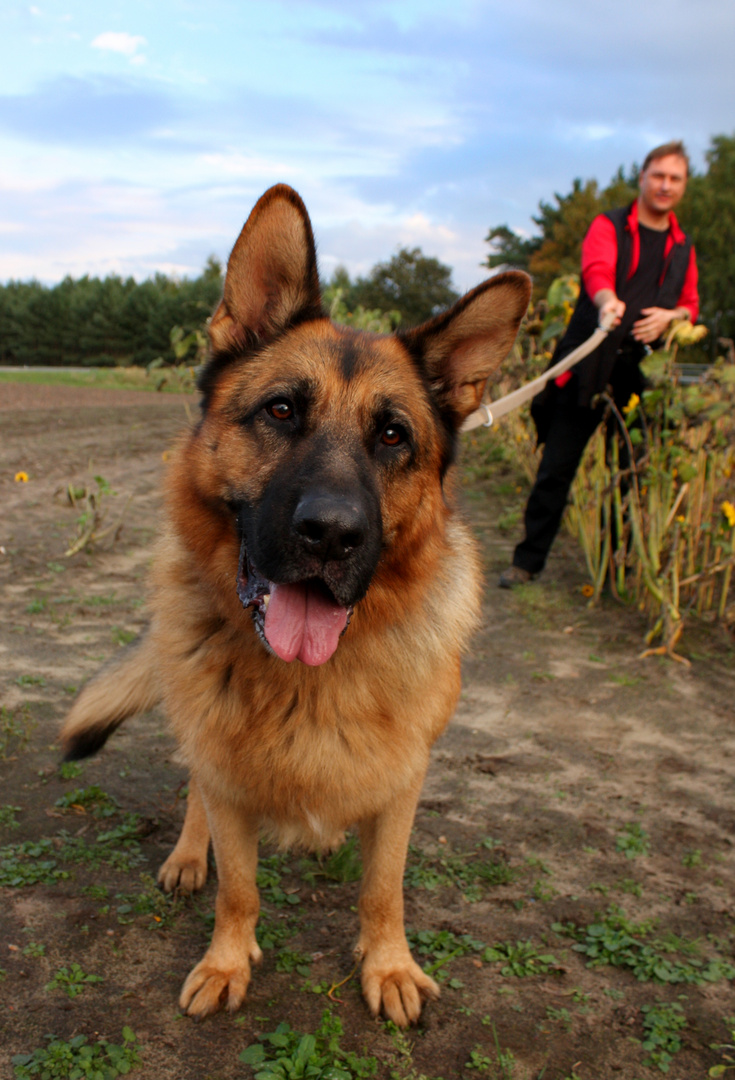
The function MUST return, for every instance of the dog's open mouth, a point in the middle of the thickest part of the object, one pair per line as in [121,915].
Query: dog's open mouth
[300,621]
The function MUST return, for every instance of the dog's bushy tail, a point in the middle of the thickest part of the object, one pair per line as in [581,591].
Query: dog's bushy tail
[125,686]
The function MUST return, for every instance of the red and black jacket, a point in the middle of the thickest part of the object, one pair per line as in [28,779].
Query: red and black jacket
[610,254]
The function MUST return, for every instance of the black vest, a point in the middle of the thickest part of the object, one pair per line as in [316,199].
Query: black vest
[593,373]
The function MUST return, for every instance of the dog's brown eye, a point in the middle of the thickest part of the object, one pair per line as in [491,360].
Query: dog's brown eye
[280,410]
[393,435]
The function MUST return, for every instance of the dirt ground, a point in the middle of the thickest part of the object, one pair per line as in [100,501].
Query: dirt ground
[578,811]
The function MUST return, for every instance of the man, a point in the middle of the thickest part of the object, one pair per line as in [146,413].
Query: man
[639,266]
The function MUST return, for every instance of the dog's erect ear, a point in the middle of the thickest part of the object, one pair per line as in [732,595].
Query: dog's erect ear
[460,348]
[272,280]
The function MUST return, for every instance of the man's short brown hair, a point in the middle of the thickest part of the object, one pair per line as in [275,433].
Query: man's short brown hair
[676,146]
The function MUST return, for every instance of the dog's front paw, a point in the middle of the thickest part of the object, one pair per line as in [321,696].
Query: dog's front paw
[181,872]
[395,984]
[213,984]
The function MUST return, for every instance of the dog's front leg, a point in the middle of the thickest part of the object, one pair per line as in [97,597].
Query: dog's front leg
[391,979]
[186,866]
[223,974]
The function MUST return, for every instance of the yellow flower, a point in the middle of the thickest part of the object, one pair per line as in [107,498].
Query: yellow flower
[634,400]
[729,511]
[680,518]
[21,478]
[588,590]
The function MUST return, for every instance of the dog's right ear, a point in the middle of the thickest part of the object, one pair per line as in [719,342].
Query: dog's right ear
[272,280]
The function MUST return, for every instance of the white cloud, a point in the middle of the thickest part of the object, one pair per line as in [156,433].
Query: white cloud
[119,42]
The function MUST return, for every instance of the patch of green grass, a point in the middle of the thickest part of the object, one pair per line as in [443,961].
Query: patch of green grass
[103,378]
[614,940]
[633,841]
[123,637]
[662,1023]
[520,960]
[36,607]
[79,1059]
[118,847]
[73,981]
[285,1054]
[473,876]
[30,863]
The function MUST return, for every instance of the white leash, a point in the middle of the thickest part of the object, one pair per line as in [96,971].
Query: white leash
[486,415]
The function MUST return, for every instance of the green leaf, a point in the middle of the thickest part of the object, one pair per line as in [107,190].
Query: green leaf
[253,1055]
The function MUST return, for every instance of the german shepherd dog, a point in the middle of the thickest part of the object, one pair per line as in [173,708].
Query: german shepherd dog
[311,595]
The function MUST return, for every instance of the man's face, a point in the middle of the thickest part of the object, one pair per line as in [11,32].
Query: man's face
[663,183]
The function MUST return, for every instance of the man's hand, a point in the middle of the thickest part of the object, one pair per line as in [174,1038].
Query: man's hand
[654,322]
[609,307]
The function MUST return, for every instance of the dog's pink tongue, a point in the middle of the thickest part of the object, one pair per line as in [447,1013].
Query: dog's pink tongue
[302,622]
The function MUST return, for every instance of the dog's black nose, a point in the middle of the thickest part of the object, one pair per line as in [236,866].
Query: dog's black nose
[330,527]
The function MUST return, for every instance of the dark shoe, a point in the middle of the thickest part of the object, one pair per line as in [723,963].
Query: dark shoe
[514,575]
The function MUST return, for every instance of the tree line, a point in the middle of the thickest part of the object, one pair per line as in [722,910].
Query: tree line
[93,321]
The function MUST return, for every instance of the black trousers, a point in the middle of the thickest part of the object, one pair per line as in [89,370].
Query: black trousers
[570,430]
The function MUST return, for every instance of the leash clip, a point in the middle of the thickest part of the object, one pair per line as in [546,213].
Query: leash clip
[489,422]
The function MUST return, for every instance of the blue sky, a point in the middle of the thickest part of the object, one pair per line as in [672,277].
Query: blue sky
[135,135]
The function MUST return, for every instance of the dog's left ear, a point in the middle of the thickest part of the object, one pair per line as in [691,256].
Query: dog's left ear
[460,348]
[272,279]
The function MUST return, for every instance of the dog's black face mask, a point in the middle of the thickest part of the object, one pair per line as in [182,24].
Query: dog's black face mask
[309,550]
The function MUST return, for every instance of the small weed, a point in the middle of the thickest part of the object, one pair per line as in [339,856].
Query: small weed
[34,948]
[661,1024]
[520,960]
[729,1060]
[478,1060]
[559,1016]
[35,607]
[70,770]
[31,680]
[271,933]
[342,866]
[443,946]
[77,1058]
[288,961]
[632,841]
[7,816]
[625,680]
[285,1054]
[162,907]
[72,980]
[270,871]
[121,636]
[90,798]
[691,859]
[630,886]
[16,727]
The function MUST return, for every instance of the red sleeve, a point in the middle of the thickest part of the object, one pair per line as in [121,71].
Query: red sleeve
[599,256]
[689,297]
